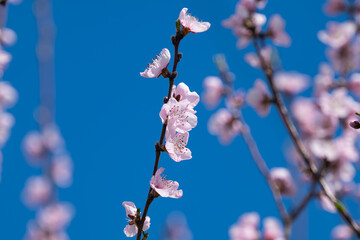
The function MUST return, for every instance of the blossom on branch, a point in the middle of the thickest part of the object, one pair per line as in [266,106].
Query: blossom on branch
[224,125]
[192,24]
[165,188]
[282,180]
[214,90]
[337,34]
[272,229]
[291,82]
[176,146]
[277,32]
[131,212]
[259,98]
[160,63]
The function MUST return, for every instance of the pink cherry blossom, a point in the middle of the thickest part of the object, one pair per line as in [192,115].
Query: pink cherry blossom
[34,232]
[61,170]
[181,92]
[8,95]
[131,229]
[259,98]
[345,59]
[6,123]
[224,125]
[165,188]
[37,191]
[342,232]
[272,229]
[346,147]
[5,59]
[324,149]
[251,5]
[179,115]
[237,23]
[276,31]
[354,83]
[323,79]
[235,100]
[158,65]
[33,145]
[51,137]
[337,34]
[246,228]
[7,37]
[55,217]
[291,82]
[191,23]
[312,121]
[337,103]
[176,146]
[214,89]
[253,60]
[283,181]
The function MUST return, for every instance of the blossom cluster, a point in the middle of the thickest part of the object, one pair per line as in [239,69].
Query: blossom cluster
[46,149]
[178,118]
[247,228]
[321,119]
[8,95]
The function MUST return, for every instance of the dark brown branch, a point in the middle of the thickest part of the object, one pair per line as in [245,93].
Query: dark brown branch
[176,42]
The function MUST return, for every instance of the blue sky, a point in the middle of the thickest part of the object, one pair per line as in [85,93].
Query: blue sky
[109,118]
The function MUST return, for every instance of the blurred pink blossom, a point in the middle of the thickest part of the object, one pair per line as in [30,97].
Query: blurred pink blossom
[7,37]
[337,34]
[291,82]
[33,145]
[61,170]
[283,180]
[55,217]
[354,83]
[272,229]
[34,232]
[311,120]
[342,232]
[158,65]
[224,125]
[37,191]
[324,79]
[259,98]
[8,95]
[191,23]
[240,23]
[337,103]
[253,60]
[246,227]
[214,89]
[277,31]
[165,188]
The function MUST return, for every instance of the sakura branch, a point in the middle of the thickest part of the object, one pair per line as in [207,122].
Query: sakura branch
[325,157]
[178,118]
[45,148]
[8,95]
